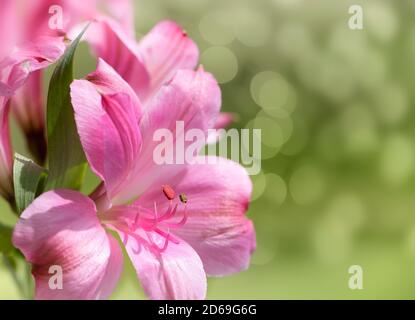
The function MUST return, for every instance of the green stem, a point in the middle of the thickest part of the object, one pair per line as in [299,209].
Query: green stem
[29,284]
[12,203]
[19,285]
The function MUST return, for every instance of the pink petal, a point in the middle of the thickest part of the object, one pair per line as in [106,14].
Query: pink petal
[32,56]
[7,26]
[176,273]
[110,42]
[193,98]
[218,197]
[28,104]
[123,11]
[61,228]
[21,78]
[164,50]
[108,81]
[108,129]
[224,119]
[36,15]
[43,49]
[6,156]
[113,271]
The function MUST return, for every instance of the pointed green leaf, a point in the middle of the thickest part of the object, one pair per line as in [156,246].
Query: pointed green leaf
[27,178]
[67,162]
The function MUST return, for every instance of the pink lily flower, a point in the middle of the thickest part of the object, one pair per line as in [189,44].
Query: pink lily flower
[174,241]
[148,64]
[14,72]
[28,102]
[20,82]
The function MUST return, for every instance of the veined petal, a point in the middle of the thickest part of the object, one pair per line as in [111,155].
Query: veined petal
[176,273]
[218,196]
[110,42]
[113,271]
[190,101]
[108,129]
[164,50]
[60,229]
[28,106]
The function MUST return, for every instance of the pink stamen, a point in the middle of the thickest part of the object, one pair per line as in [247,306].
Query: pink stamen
[169,214]
[181,222]
[152,223]
[135,224]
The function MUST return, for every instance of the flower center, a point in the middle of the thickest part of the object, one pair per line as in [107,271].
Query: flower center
[148,226]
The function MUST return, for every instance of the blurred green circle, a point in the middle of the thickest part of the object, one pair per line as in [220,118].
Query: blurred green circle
[216,27]
[391,103]
[307,185]
[397,159]
[271,136]
[259,183]
[251,28]
[222,62]
[273,94]
[276,188]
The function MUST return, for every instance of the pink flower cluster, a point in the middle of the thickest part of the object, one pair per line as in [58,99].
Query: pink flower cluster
[178,223]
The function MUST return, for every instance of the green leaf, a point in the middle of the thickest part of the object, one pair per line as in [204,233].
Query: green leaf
[6,246]
[27,180]
[67,162]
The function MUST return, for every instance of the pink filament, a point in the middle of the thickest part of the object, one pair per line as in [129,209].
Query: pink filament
[153,225]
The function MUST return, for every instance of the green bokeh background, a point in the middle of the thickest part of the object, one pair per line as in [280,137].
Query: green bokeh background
[335,105]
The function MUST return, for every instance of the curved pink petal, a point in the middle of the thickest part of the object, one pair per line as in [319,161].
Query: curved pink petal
[112,272]
[164,50]
[108,128]
[218,196]
[176,273]
[110,42]
[32,56]
[224,119]
[61,229]
[190,101]
[108,81]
